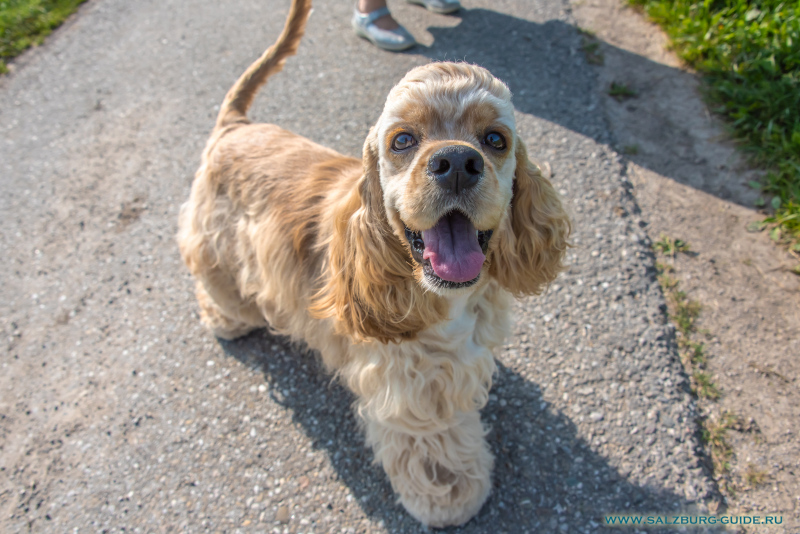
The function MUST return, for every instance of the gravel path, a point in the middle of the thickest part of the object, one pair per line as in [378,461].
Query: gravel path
[118,411]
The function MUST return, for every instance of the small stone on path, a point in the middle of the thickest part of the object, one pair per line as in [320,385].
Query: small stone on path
[282,514]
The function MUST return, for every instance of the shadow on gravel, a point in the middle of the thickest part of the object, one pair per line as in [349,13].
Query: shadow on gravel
[546,479]
[538,63]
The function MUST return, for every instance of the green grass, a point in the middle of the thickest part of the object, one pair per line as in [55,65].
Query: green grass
[755,477]
[696,353]
[25,23]
[749,53]
[591,49]
[631,150]
[715,435]
[704,385]
[671,247]
[684,313]
[620,91]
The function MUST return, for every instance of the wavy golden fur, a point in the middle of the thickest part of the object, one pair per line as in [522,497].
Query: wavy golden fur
[284,233]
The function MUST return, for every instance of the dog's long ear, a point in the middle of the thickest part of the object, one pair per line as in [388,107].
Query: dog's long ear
[369,285]
[533,237]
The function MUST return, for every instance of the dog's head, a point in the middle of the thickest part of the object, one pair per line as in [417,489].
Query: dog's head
[447,201]
[445,149]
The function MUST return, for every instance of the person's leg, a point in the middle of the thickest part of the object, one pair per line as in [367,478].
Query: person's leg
[373,21]
[386,22]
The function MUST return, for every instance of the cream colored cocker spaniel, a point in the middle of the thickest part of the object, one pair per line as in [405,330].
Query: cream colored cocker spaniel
[397,268]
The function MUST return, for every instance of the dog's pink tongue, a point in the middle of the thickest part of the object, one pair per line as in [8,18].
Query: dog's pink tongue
[452,246]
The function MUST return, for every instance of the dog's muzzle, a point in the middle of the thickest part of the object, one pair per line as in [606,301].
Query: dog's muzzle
[456,168]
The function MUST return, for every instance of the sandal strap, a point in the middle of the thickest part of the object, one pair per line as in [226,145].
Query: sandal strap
[372,16]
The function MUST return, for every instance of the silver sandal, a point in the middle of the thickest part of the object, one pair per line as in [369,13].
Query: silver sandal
[438,6]
[394,40]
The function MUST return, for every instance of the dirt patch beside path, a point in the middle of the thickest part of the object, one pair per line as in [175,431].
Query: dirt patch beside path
[691,184]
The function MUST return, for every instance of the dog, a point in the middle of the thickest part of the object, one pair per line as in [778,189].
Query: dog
[398,269]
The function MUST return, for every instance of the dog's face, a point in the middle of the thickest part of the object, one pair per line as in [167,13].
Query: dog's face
[448,200]
[446,145]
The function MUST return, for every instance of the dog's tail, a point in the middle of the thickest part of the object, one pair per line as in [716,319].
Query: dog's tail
[240,96]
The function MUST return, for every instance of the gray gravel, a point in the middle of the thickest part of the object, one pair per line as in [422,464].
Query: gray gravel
[119,412]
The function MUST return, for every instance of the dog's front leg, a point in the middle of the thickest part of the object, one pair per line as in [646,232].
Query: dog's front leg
[421,417]
[442,478]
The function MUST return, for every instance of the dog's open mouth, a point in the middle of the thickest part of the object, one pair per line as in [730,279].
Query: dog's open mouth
[452,252]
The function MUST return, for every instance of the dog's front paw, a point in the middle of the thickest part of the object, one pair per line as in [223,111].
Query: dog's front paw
[442,478]
[217,321]
[444,498]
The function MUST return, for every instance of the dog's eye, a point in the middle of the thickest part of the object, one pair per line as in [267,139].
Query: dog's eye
[495,140]
[403,141]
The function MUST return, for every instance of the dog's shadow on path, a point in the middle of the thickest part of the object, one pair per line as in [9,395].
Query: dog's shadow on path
[546,479]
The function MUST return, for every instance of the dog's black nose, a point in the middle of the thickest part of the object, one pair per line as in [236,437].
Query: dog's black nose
[456,168]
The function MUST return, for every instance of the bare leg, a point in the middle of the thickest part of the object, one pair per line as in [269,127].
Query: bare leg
[384,23]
